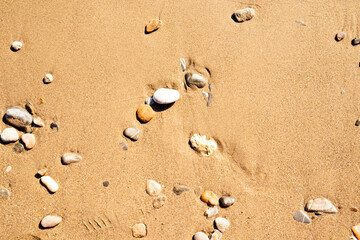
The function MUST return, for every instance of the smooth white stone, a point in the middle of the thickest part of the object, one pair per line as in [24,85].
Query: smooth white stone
[202,145]
[50,184]
[166,96]
[320,205]
[16,45]
[132,133]
[9,135]
[195,79]
[200,236]
[211,212]
[153,188]
[50,221]
[48,78]
[18,117]
[68,158]
[245,14]
[222,224]
[38,122]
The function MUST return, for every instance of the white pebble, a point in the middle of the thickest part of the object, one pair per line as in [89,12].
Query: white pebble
[68,158]
[153,188]
[8,169]
[200,236]
[221,224]
[245,14]
[50,184]
[202,145]
[16,46]
[205,94]
[37,121]
[211,211]
[9,135]
[166,96]
[320,205]
[50,221]
[29,140]
[216,235]
[48,78]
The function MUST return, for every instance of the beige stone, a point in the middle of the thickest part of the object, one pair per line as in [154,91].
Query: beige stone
[153,25]
[139,230]
[153,188]
[29,140]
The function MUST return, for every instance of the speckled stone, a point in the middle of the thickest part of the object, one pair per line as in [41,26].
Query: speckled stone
[18,117]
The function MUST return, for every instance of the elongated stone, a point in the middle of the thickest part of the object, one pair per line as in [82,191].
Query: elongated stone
[68,158]
[153,188]
[179,189]
[210,198]
[302,217]
[195,79]
[356,231]
[226,201]
[18,117]
[50,221]
[221,224]
[245,14]
[132,133]
[9,135]
[320,205]
[37,121]
[50,184]
[166,96]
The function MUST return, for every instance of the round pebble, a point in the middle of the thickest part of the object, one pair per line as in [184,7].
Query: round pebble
[139,230]
[68,158]
[200,236]
[18,117]
[18,148]
[159,201]
[106,183]
[210,198]
[132,133]
[50,184]
[216,235]
[37,121]
[4,193]
[153,188]
[153,25]
[16,45]
[226,201]
[166,96]
[29,140]
[222,224]
[145,113]
[9,135]
[50,221]
[245,14]
[340,36]
[195,79]
[179,189]
[48,78]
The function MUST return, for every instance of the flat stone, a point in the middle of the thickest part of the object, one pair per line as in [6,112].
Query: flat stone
[179,189]
[9,135]
[210,198]
[195,79]
[200,236]
[153,25]
[18,117]
[50,184]
[68,158]
[50,221]
[48,78]
[340,36]
[132,133]
[4,193]
[145,113]
[29,140]
[37,121]
[139,230]
[159,201]
[183,64]
[245,14]
[153,188]
[226,201]
[320,205]
[18,148]
[216,235]
[222,224]
[166,96]
[302,217]
[16,46]
[211,212]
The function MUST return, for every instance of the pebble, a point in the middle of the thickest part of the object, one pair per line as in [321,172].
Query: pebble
[357,123]
[205,94]
[211,212]
[68,158]
[29,140]
[37,121]
[48,78]
[153,25]
[340,36]
[200,236]
[50,221]
[8,169]
[132,133]
[9,135]
[30,108]
[195,79]
[356,41]
[210,198]
[354,209]
[159,201]
[153,188]
[216,235]
[222,224]
[166,96]
[179,189]
[302,217]
[18,117]
[226,201]
[202,145]
[183,64]
[145,113]
[55,125]
[18,148]
[106,183]
[356,231]
[139,230]
[320,205]
[42,172]
[245,14]
[4,193]
[16,45]
[124,146]
[50,184]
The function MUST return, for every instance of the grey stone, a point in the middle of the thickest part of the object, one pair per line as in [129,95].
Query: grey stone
[226,201]
[4,193]
[18,117]
[302,217]
[159,201]
[132,133]
[179,189]
[195,79]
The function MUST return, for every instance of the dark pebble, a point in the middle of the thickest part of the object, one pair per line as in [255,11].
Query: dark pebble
[106,183]
[226,201]
[54,125]
[18,148]
[357,123]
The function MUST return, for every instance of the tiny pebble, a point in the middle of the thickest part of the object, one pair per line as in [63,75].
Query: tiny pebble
[4,193]
[357,123]
[124,146]
[320,205]
[18,117]
[54,125]
[166,96]
[354,209]
[30,108]
[8,169]
[145,113]
[183,64]
[50,221]
[153,25]
[106,183]
[42,172]
[68,158]
[37,121]
[16,45]
[195,79]
[226,201]
[48,78]
[139,230]
[356,41]
[216,235]
[222,224]
[245,14]
[18,148]
[159,201]
[132,133]
[179,189]
[210,197]
[29,140]
[200,236]
[340,36]
[211,212]
[153,188]
[9,135]
[205,94]
[49,183]
[302,217]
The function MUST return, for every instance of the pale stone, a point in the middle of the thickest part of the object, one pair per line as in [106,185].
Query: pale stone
[222,224]
[16,45]
[9,135]
[320,205]
[8,169]
[18,117]
[4,193]
[29,140]
[68,158]
[245,14]
[195,79]
[50,221]
[42,172]
[139,230]
[166,96]
[211,212]
[159,201]
[37,121]
[179,189]
[132,133]
[50,184]
[340,36]
[216,235]
[202,145]
[153,188]
[200,236]
[302,217]
[153,25]
[48,78]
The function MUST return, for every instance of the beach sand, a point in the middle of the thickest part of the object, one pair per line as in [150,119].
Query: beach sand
[285,98]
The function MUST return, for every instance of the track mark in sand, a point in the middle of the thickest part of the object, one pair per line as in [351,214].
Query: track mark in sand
[101,227]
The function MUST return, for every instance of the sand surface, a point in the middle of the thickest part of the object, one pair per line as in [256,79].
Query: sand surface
[285,100]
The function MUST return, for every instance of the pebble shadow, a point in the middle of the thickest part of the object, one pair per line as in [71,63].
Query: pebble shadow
[161,107]
[233,17]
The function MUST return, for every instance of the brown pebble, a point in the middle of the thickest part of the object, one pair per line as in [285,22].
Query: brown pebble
[356,41]
[153,25]
[54,125]
[354,209]
[210,197]
[145,113]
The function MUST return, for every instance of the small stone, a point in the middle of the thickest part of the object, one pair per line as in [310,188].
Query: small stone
[106,183]
[320,205]
[4,193]
[216,235]
[340,36]
[205,94]
[166,96]
[30,108]
[16,46]
[18,117]
[200,236]
[245,14]
[37,121]
[55,125]
[356,231]
[153,25]
[356,41]
[357,123]
[179,189]
[354,209]
[18,148]
[195,79]
[8,169]
[222,224]
[211,212]
[50,221]
[202,145]
[183,64]
[29,140]
[124,146]
[132,133]
[9,135]
[302,217]
[145,113]
[42,172]
[226,201]
[139,230]
[50,184]
[68,158]
[159,201]
[210,198]
[48,78]
[153,188]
